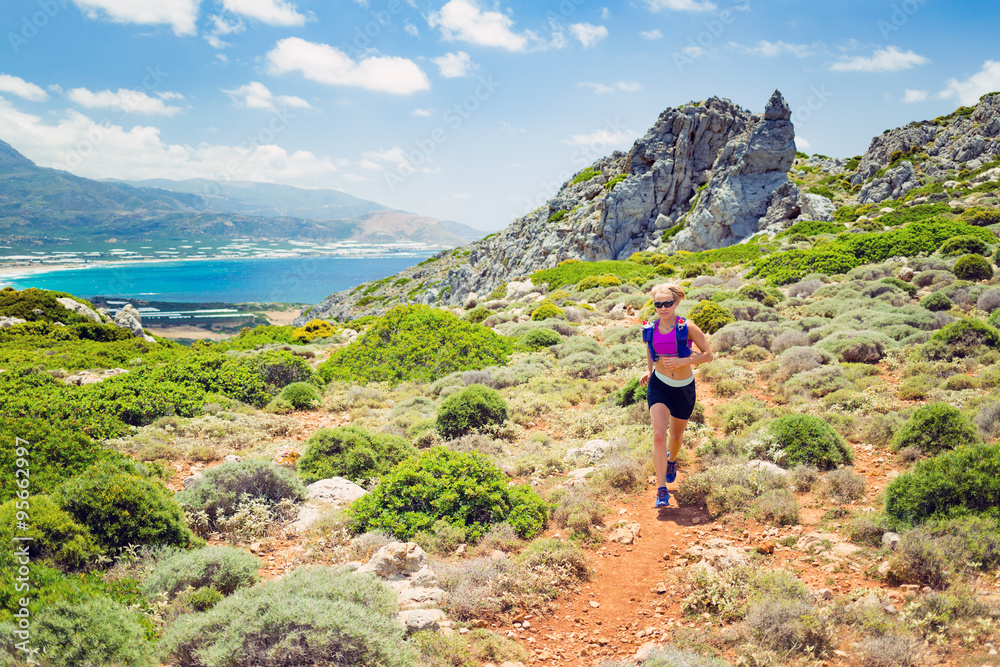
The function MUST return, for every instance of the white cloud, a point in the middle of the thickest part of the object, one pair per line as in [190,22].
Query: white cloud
[693,51]
[464,20]
[18,86]
[453,65]
[588,33]
[271,12]
[76,143]
[411,29]
[771,49]
[326,64]
[652,34]
[889,59]
[911,96]
[221,26]
[968,92]
[599,138]
[180,15]
[681,5]
[802,144]
[625,86]
[393,158]
[255,95]
[129,101]
[423,112]
[605,13]
[217,43]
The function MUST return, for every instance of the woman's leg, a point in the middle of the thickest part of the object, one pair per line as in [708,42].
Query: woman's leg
[660,416]
[677,427]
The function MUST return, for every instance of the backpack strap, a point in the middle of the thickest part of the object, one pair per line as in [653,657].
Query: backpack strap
[681,331]
[647,338]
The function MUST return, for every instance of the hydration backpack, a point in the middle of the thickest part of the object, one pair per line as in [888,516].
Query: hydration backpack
[680,331]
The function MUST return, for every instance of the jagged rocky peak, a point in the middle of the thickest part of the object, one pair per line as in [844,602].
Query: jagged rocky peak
[749,190]
[11,159]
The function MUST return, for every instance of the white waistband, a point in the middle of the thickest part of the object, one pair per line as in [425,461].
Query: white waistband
[670,382]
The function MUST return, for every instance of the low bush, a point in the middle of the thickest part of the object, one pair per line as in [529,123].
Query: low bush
[730,592]
[301,395]
[866,347]
[710,317]
[577,508]
[475,647]
[311,617]
[91,630]
[220,490]
[777,506]
[805,439]
[936,301]
[973,267]
[463,489]
[473,408]
[790,626]
[934,428]
[539,338]
[546,310]
[727,488]
[801,478]
[842,485]
[981,216]
[954,483]
[631,393]
[351,452]
[964,245]
[53,535]
[893,650]
[120,506]
[416,343]
[224,569]
[964,338]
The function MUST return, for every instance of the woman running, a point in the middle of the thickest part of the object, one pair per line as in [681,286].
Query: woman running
[671,393]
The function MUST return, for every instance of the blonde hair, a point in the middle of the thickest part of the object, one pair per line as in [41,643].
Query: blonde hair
[668,287]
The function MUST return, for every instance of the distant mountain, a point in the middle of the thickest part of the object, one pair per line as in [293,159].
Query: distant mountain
[266,199]
[43,207]
[463,231]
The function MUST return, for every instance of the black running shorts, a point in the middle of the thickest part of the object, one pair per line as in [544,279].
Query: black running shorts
[679,400]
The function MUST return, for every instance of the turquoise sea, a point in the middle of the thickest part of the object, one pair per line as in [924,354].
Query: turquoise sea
[307,279]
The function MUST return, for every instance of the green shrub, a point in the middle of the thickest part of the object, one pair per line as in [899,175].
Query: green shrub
[936,301]
[973,267]
[53,453]
[92,630]
[631,393]
[545,310]
[220,490]
[865,347]
[224,569]
[695,270]
[476,647]
[558,215]
[909,288]
[963,245]
[980,216]
[777,506]
[729,593]
[301,395]
[36,305]
[806,439]
[311,617]
[204,598]
[710,317]
[417,343]
[955,483]
[539,338]
[351,452]
[573,272]
[121,507]
[475,407]
[54,535]
[478,314]
[465,490]
[934,428]
[964,338]
[585,175]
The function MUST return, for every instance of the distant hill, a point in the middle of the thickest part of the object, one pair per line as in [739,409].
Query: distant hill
[266,199]
[42,207]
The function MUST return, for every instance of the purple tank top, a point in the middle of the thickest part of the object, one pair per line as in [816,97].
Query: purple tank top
[665,345]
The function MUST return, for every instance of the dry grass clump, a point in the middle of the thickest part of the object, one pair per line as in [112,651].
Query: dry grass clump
[842,485]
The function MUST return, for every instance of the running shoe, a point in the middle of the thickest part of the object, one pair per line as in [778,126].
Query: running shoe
[662,497]
[671,471]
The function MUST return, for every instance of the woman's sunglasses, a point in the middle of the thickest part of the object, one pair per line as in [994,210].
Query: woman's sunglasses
[663,304]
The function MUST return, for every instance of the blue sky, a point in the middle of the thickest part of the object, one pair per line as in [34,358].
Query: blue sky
[469,110]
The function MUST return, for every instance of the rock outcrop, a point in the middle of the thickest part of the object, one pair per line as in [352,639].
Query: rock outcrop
[75,306]
[748,171]
[129,318]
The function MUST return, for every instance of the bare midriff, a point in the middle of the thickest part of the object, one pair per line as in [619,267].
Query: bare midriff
[682,373]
